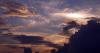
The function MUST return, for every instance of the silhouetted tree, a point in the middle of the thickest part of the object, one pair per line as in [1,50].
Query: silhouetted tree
[87,40]
[63,49]
[53,51]
[37,52]
[27,50]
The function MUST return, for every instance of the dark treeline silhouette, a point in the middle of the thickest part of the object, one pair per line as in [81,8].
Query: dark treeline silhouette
[87,40]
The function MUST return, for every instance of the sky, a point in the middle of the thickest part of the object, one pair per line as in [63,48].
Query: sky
[46,16]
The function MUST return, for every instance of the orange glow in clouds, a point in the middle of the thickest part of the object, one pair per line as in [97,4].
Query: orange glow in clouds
[79,17]
[74,15]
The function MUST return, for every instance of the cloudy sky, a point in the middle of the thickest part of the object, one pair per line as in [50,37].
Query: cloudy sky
[45,16]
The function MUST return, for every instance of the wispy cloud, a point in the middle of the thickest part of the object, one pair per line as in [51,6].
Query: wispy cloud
[15,9]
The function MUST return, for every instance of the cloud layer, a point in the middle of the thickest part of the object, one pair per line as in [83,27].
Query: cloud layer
[51,14]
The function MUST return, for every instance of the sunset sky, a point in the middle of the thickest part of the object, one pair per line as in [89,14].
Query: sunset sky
[45,16]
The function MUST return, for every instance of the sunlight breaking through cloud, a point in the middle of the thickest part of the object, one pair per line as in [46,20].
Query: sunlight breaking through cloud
[49,16]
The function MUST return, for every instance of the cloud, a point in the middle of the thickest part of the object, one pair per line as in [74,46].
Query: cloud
[15,9]
[7,40]
[51,14]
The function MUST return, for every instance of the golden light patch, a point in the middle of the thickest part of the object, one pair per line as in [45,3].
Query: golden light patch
[75,15]
[71,15]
